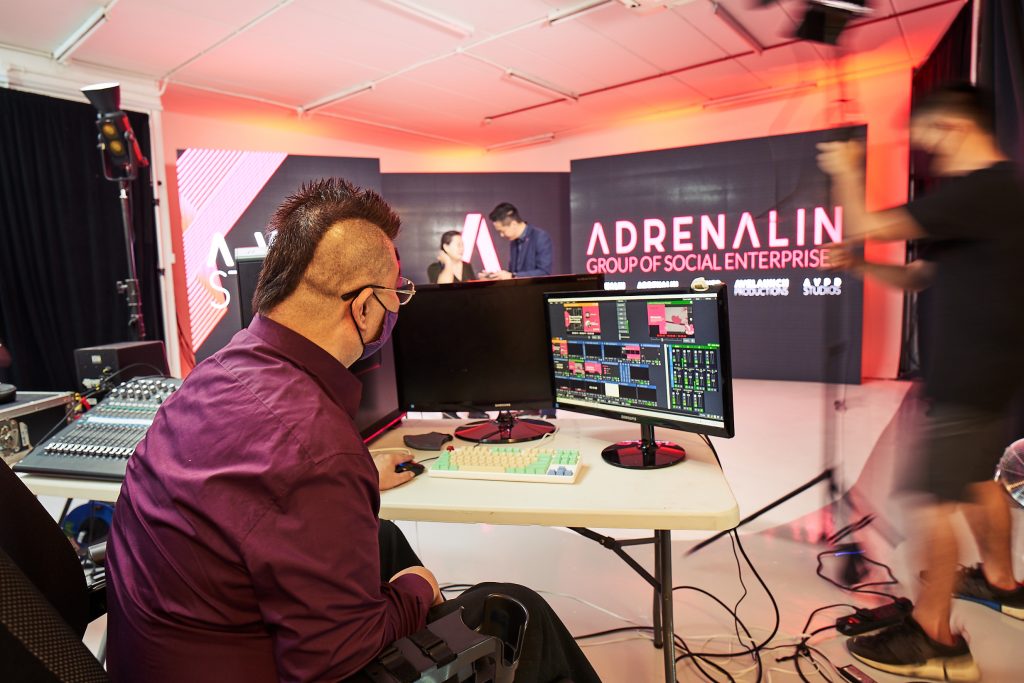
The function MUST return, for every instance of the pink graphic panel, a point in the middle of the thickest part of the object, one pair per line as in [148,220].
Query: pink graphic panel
[476,234]
[591,318]
[656,317]
[215,188]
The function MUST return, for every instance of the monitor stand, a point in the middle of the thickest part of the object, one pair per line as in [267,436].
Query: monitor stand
[645,454]
[508,427]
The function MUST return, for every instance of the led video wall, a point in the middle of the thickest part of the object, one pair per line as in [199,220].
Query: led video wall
[755,214]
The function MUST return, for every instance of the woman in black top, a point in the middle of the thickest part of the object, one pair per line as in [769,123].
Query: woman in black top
[449,266]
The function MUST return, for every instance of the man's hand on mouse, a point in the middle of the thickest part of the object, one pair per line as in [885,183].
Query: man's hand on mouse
[385,463]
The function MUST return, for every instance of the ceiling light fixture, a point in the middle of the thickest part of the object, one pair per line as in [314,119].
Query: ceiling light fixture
[564,93]
[431,16]
[63,52]
[559,15]
[337,97]
[524,142]
[759,95]
[738,28]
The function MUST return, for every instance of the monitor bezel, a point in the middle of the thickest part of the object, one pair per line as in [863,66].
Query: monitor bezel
[728,418]
[514,404]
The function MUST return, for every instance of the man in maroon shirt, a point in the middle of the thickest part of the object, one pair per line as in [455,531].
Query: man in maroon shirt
[245,544]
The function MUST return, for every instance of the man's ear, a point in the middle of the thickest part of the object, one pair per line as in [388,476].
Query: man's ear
[359,308]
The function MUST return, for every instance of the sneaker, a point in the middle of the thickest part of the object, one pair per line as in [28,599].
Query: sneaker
[972,585]
[906,650]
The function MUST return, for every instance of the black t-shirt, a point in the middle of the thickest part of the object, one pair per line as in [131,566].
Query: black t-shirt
[975,226]
[435,268]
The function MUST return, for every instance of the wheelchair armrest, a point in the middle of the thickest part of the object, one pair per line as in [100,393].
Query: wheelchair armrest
[447,649]
[97,552]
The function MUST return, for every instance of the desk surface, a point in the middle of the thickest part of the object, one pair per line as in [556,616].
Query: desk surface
[691,495]
[68,487]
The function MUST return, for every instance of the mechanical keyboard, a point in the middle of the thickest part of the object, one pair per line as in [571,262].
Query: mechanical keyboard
[509,463]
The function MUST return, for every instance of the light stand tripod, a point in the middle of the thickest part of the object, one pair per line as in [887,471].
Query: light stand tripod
[130,287]
[122,159]
[834,501]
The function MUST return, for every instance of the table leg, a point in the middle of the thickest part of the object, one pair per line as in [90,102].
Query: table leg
[663,543]
[657,595]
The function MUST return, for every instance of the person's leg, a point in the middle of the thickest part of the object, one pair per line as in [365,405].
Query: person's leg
[924,645]
[395,552]
[991,522]
[938,552]
[549,651]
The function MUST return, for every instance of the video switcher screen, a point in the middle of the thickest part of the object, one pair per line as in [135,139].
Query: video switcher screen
[658,357]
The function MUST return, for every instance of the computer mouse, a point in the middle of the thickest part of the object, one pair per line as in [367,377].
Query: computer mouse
[410,466]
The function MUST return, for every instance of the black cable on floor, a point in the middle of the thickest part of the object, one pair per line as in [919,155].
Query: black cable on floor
[680,643]
[860,587]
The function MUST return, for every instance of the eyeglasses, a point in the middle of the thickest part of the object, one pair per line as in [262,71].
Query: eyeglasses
[404,291]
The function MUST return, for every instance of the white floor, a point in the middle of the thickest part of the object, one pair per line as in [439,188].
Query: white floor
[780,444]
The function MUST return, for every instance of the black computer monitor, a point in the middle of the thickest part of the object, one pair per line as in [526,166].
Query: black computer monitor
[248,263]
[481,345]
[378,407]
[658,358]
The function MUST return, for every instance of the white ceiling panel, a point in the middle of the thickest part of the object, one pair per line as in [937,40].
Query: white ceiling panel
[797,62]
[723,79]
[924,29]
[282,77]
[489,18]
[228,12]
[570,54]
[151,38]
[470,78]
[414,103]
[43,25]
[770,24]
[700,15]
[663,38]
[601,110]
[363,31]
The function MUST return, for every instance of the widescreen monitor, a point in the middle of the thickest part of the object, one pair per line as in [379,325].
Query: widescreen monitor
[657,358]
[480,345]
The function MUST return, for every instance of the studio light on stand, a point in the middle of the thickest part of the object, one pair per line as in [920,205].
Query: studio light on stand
[122,158]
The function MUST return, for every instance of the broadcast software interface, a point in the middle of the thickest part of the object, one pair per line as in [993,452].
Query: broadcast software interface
[657,357]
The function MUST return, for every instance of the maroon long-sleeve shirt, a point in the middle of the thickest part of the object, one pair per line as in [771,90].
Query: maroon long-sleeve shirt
[244,545]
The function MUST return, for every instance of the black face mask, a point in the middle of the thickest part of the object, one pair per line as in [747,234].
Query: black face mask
[922,165]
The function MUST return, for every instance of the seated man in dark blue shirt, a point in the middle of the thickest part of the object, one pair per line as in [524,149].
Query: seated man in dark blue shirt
[530,255]
[245,545]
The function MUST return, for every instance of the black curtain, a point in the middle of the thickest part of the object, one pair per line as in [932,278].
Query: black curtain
[1001,69]
[61,239]
[950,62]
